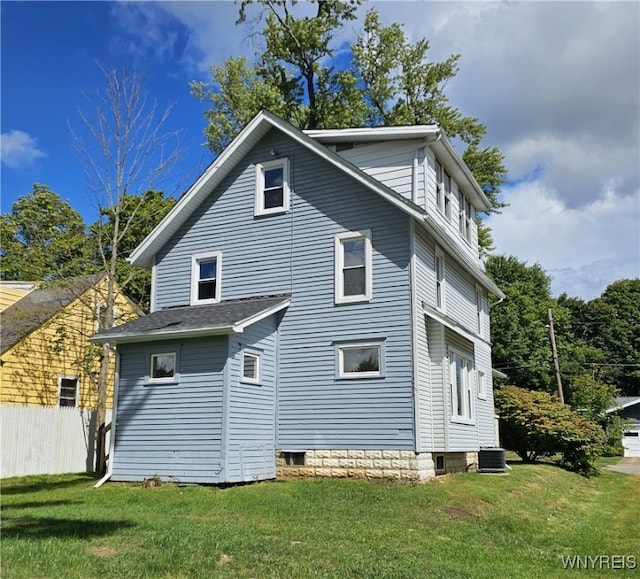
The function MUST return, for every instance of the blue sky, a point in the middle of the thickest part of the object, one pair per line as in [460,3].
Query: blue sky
[556,83]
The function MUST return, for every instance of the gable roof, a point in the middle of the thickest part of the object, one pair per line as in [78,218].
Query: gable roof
[431,134]
[624,402]
[223,317]
[39,306]
[248,137]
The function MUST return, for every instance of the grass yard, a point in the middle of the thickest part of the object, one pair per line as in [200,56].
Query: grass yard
[469,525]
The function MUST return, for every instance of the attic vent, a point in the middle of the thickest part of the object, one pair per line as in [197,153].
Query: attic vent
[343,147]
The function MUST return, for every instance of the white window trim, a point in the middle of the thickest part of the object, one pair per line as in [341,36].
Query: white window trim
[439,169]
[195,277]
[259,208]
[168,379]
[447,186]
[467,404]
[340,298]
[480,317]
[482,385]
[77,395]
[248,379]
[440,280]
[355,346]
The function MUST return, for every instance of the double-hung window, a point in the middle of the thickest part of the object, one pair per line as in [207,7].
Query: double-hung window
[353,267]
[361,360]
[447,196]
[272,187]
[440,280]
[462,216]
[67,391]
[439,186]
[461,384]
[205,278]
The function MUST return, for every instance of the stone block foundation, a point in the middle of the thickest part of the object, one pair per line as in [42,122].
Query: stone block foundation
[404,465]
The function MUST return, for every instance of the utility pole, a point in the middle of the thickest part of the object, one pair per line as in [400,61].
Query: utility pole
[554,350]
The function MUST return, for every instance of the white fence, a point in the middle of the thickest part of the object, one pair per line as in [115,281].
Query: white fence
[46,440]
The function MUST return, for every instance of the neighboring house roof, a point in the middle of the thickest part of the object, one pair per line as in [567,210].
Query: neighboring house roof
[624,402]
[255,130]
[191,321]
[39,306]
[11,293]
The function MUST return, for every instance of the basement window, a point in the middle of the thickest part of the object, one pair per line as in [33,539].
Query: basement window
[293,458]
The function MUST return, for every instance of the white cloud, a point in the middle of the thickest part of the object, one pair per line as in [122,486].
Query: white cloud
[583,249]
[558,86]
[19,149]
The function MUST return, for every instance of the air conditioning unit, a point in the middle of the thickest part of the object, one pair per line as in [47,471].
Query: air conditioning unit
[491,460]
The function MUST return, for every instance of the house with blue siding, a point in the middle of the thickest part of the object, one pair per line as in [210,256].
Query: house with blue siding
[318,308]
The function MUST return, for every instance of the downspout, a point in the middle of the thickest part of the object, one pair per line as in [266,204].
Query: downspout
[112,441]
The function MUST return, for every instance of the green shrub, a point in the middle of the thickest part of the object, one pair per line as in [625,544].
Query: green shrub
[536,425]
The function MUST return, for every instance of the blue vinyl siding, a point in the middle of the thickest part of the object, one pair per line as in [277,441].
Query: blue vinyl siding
[172,430]
[294,253]
[250,423]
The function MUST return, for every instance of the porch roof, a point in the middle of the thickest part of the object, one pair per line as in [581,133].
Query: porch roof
[223,317]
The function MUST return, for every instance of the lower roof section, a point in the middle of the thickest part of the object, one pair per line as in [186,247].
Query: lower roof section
[224,317]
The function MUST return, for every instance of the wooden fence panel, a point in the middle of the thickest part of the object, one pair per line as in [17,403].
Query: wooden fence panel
[46,440]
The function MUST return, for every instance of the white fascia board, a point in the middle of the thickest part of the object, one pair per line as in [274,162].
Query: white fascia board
[142,256]
[242,324]
[369,134]
[626,404]
[350,169]
[136,337]
[461,173]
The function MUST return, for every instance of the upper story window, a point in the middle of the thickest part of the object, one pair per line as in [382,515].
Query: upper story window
[465,218]
[163,367]
[272,187]
[440,280]
[205,278]
[353,268]
[447,196]
[68,391]
[439,186]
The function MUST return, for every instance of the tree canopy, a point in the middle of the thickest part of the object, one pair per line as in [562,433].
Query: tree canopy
[43,238]
[598,342]
[302,75]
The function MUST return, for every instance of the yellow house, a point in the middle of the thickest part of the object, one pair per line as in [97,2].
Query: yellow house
[45,356]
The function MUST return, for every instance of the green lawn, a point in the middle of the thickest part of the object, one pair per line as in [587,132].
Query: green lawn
[469,525]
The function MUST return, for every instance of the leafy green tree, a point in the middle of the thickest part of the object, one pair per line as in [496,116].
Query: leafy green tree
[592,399]
[519,330]
[141,214]
[610,325]
[614,320]
[389,81]
[43,238]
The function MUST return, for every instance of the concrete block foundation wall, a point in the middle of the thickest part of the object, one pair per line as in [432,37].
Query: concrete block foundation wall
[371,464]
